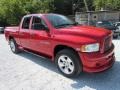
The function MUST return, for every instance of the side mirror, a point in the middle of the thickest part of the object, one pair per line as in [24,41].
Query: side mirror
[45,28]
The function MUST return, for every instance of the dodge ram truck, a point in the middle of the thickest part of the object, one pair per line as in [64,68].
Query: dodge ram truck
[74,48]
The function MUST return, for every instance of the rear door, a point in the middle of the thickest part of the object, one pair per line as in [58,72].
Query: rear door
[25,32]
[39,37]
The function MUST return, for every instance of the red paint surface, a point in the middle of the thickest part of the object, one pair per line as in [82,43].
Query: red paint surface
[74,37]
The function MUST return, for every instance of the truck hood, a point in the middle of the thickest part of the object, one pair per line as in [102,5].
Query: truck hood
[85,31]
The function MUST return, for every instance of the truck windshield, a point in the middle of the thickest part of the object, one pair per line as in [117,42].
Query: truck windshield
[60,21]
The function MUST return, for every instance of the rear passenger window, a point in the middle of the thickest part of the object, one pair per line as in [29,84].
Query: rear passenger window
[26,22]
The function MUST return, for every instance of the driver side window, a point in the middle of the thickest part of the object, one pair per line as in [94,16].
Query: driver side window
[38,23]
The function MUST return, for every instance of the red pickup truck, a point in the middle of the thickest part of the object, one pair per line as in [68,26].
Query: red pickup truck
[73,48]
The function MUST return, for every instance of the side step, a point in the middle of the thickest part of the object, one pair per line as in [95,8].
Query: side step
[35,54]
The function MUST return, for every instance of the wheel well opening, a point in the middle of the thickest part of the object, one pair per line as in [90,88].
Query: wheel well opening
[10,37]
[61,47]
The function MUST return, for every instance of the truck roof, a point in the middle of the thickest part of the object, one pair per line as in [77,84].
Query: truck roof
[39,14]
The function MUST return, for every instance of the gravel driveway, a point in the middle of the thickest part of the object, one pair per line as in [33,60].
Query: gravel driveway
[28,72]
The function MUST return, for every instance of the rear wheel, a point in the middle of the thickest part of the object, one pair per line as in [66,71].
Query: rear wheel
[68,63]
[14,46]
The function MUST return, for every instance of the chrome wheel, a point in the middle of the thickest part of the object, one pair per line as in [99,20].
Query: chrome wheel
[12,45]
[65,64]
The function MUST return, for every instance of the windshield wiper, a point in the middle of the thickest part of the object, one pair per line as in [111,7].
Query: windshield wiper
[62,25]
[65,25]
[75,23]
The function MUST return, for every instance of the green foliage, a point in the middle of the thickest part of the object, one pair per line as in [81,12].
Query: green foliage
[107,4]
[63,6]
[69,7]
[11,11]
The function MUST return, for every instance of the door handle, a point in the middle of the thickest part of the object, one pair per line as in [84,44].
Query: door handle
[32,34]
[22,34]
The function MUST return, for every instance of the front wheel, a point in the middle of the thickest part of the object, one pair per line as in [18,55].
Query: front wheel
[14,46]
[68,63]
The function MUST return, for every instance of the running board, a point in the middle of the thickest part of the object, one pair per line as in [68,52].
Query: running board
[46,57]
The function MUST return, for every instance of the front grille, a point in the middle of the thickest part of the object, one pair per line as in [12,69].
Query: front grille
[107,43]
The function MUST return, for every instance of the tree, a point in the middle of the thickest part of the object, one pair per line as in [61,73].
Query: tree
[11,11]
[113,4]
[67,7]
[63,6]
[107,4]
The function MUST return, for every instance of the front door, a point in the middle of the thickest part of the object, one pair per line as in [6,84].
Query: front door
[39,37]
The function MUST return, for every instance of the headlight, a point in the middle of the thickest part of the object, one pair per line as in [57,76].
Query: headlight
[90,47]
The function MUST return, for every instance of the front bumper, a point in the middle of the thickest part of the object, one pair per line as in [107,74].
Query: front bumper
[97,62]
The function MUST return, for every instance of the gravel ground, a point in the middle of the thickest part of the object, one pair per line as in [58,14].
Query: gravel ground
[28,72]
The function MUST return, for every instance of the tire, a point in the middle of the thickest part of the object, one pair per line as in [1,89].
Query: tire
[14,46]
[115,37]
[68,63]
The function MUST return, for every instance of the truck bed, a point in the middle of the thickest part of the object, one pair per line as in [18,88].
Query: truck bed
[11,31]
[14,28]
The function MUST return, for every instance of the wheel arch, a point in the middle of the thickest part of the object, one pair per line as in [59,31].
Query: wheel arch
[10,37]
[61,47]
